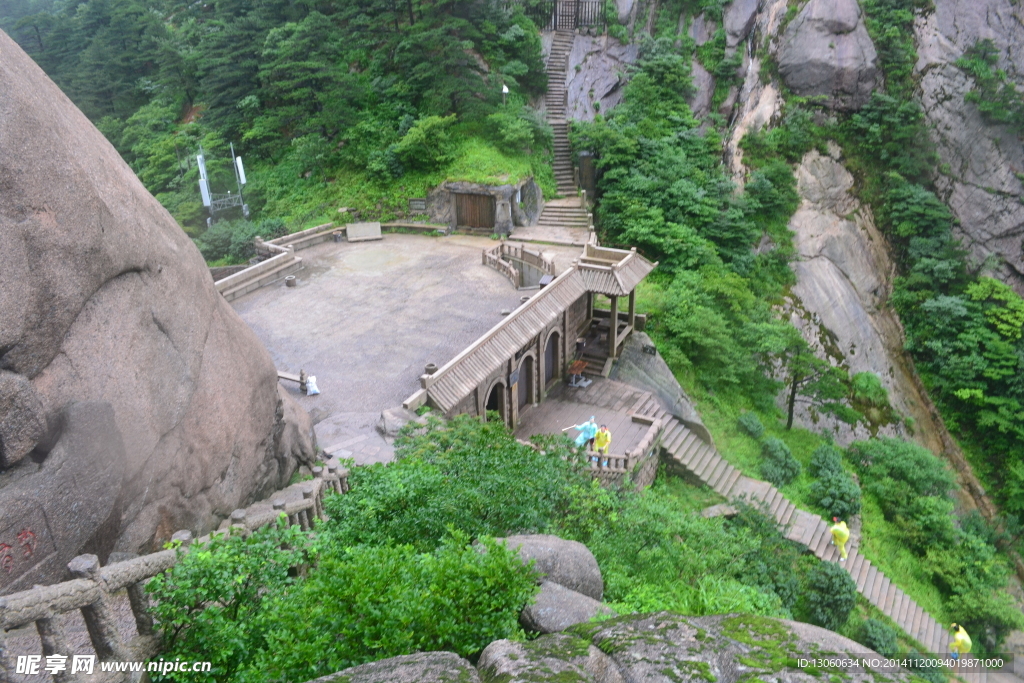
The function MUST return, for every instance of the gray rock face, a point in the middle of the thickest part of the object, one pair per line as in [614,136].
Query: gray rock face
[596,74]
[554,657]
[979,181]
[104,300]
[664,647]
[702,29]
[568,563]
[651,373]
[738,19]
[826,50]
[423,667]
[843,280]
[703,90]
[557,608]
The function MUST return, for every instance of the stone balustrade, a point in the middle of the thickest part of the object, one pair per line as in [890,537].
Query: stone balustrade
[93,588]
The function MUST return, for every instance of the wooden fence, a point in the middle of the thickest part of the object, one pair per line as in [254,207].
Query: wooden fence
[92,590]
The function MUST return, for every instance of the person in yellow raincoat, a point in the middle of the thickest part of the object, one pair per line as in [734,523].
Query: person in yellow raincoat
[840,535]
[603,441]
[961,641]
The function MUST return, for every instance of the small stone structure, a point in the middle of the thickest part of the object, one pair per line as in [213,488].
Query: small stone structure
[524,267]
[529,352]
[516,204]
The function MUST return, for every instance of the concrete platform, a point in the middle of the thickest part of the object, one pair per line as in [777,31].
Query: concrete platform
[365,318]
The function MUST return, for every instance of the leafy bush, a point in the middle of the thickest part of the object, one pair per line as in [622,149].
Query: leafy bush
[867,387]
[837,493]
[429,144]
[831,595]
[879,637]
[520,130]
[212,604]
[464,474]
[912,487]
[365,603]
[779,466]
[826,459]
[234,239]
[751,424]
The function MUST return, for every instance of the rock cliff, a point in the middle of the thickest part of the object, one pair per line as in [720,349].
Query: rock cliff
[981,164]
[133,400]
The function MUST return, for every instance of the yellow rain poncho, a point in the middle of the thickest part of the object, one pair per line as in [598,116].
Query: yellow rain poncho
[840,535]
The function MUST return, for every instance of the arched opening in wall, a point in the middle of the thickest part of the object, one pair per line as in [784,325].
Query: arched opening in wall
[496,400]
[551,358]
[525,382]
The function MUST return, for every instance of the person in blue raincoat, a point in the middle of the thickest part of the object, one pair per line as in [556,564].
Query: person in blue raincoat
[588,430]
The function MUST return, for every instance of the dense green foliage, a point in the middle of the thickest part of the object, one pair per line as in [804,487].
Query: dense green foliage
[831,595]
[470,476]
[913,488]
[879,637]
[996,97]
[833,490]
[310,93]
[751,424]
[779,466]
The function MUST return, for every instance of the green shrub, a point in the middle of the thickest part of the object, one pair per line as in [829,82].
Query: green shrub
[234,239]
[837,493]
[465,474]
[751,424]
[779,466]
[364,603]
[429,144]
[211,605]
[831,595]
[826,459]
[517,131]
[867,387]
[879,637]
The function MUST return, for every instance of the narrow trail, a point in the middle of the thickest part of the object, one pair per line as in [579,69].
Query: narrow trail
[690,456]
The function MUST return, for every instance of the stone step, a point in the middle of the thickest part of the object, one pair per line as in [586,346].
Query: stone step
[819,533]
[679,448]
[862,578]
[930,626]
[871,583]
[898,611]
[671,432]
[823,542]
[679,435]
[715,471]
[779,504]
[787,515]
[890,597]
[730,482]
[703,454]
[917,622]
[720,475]
[709,465]
[688,450]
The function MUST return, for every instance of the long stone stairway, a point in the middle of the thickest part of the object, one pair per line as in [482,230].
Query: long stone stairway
[689,456]
[566,220]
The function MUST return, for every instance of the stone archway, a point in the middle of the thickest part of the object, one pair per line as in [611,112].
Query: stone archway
[526,389]
[496,401]
[551,358]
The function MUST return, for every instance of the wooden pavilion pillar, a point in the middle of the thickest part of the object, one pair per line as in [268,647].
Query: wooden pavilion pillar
[632,308]
[590,305]
[613,327]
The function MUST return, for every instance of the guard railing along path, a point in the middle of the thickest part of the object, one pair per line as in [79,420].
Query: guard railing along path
[687,454]
[92,591]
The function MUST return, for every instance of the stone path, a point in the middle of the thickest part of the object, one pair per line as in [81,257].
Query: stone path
[689,456]
[562,221]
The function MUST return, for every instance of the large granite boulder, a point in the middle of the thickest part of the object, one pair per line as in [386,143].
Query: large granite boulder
[567,563]
[738,19]
[422,667]
[556,657]
[105,301]
[556,608]
[826,51]
[664,647]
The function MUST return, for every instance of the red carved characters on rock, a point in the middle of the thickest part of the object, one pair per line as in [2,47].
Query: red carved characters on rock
[28,541]
[6,558]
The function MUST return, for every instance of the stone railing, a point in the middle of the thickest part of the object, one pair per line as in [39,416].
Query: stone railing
[301,240]
[532,264]
[640,462]
[92,591]
[283,263]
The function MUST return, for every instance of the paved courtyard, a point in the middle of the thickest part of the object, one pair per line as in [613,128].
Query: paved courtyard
[365,318]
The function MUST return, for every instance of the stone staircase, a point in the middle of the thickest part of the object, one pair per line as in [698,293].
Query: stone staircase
[563,221]
[689,456]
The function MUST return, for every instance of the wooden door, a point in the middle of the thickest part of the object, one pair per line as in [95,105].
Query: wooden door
[474,210]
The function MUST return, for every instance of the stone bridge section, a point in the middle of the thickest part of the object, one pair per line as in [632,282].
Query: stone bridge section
[689,456]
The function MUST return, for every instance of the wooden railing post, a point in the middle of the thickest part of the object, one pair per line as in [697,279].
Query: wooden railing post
[99,617]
